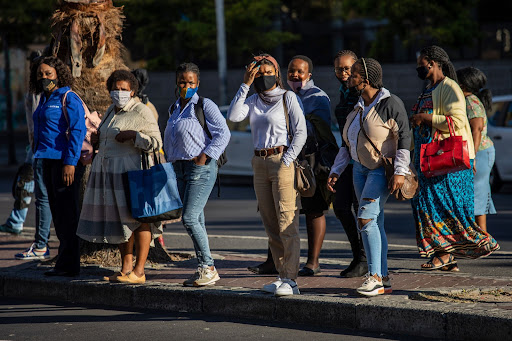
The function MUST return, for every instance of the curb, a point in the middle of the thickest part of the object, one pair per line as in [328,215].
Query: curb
[395,314]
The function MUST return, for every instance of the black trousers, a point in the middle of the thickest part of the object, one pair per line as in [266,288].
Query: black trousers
[65,207]
[345,200]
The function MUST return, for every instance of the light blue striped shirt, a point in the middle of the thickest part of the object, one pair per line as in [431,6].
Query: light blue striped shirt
[184,138]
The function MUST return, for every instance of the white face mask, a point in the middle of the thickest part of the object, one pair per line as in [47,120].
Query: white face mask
[120,97]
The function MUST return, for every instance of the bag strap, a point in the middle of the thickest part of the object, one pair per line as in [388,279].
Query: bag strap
[361,123]
[287,118]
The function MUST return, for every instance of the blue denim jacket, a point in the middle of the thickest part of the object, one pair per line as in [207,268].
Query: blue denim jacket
[50,126]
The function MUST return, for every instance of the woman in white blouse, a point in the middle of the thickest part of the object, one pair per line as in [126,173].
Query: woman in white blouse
[274,171]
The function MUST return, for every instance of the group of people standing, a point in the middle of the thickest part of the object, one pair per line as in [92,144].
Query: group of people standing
[286,126]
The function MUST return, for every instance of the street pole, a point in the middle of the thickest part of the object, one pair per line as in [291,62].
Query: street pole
[8,98]
[221,52]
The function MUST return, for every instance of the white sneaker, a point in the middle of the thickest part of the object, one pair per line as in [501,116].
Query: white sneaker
[371,287]
[207,277]
[272,287]
[289,287]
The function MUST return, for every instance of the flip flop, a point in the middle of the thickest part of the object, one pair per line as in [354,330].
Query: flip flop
[305,271]
[435,267]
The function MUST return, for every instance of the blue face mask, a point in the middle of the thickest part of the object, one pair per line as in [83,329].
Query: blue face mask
[187,93]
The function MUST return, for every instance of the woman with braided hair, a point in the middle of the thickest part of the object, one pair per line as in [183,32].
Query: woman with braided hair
[444,207]
[379,118]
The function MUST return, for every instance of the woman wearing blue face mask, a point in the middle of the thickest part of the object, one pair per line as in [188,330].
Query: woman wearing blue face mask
[194,151]
[127,129]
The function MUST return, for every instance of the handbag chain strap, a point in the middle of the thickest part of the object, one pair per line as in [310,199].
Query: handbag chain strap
[361,123]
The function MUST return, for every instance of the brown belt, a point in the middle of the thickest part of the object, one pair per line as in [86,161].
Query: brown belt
[270,151]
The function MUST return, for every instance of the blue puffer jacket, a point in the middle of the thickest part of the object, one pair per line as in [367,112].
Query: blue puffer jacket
[50,126]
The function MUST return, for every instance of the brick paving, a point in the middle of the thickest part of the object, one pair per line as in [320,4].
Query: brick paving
[234,274]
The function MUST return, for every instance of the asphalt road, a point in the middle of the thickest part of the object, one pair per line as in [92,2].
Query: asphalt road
[28,320]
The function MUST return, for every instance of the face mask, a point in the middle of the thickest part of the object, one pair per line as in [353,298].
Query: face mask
[297,85]
[187,93]
[353,91]
[422,72]
[120,97]
[48,85]
[263,83]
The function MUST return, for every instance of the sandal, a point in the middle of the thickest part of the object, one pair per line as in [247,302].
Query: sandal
[428,266]
[451,268]
[305,271]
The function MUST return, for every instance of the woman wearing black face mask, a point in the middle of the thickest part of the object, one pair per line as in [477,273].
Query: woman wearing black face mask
[444,207]
[58,143]
[274,171]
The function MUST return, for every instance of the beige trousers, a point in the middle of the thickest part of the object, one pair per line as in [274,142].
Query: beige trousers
[279,203]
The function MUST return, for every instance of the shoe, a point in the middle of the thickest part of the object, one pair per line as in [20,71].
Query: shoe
[305,271]
[429,266]
[63,273]
[9,229]
[387,286]
[190,282]
[266,268]
[288,288]
[357,270]
[207,277]
[272,287]
[451,268]
[371,287]
[115,277]
[33,253]
[132,278]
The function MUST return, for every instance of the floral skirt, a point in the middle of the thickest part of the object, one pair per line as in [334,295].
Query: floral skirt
[444,213]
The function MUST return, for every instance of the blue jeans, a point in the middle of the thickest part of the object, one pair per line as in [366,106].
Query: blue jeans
[43,213]
[195,183]
[372,193]
[17,218]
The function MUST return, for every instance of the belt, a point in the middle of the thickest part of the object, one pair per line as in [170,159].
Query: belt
[270,151]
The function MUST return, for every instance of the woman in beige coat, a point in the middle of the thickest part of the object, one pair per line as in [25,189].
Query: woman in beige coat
[127,130]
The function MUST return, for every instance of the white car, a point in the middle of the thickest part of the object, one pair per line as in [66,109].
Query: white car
[240,149]
[499,130]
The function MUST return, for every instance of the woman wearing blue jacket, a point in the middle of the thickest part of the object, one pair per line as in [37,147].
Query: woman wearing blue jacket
[58,142]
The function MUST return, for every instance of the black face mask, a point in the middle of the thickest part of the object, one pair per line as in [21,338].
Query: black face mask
[422,72]
[48,85]
[354,92]
[263,83]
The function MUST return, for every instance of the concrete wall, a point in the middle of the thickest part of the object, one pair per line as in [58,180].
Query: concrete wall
[400,79]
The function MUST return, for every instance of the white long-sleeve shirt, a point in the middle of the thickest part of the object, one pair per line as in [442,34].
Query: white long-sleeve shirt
[268,123]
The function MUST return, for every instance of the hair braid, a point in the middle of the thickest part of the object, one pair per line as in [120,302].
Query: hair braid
[374,70]
[437,54]
[343,53]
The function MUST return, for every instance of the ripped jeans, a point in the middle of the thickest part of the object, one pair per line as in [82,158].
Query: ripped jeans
[372,193]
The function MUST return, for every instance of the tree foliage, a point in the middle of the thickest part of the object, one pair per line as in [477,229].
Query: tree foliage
[25,22]
[447,23]
[166,32]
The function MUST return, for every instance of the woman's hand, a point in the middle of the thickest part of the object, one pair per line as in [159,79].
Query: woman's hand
[126,135]
[397,181]
[201,159]
[68,174]
[250,73]
[331,181]
[419,119]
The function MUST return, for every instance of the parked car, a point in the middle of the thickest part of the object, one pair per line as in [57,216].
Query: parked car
[240,149]
[500,131]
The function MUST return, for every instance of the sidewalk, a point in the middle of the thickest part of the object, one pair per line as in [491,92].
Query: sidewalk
[419,305]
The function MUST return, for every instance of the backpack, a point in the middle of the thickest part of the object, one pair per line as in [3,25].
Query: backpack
[199,111]
[92,121]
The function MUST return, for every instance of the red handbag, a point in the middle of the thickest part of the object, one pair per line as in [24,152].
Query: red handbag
[441,157]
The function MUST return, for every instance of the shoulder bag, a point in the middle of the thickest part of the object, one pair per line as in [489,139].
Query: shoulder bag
[304,177]
[441,157]
[410,187]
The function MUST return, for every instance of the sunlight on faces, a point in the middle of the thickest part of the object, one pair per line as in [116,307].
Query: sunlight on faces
[122,85]
[46,71]
[298,70]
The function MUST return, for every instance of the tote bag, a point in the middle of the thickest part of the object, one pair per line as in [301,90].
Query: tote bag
[154,192]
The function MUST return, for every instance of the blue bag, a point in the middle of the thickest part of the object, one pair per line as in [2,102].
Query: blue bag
[154,193]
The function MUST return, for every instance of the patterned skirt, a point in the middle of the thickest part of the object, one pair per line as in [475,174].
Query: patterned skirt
[444,212]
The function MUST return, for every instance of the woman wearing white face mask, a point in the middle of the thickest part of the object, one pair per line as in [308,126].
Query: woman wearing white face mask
[128,128]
